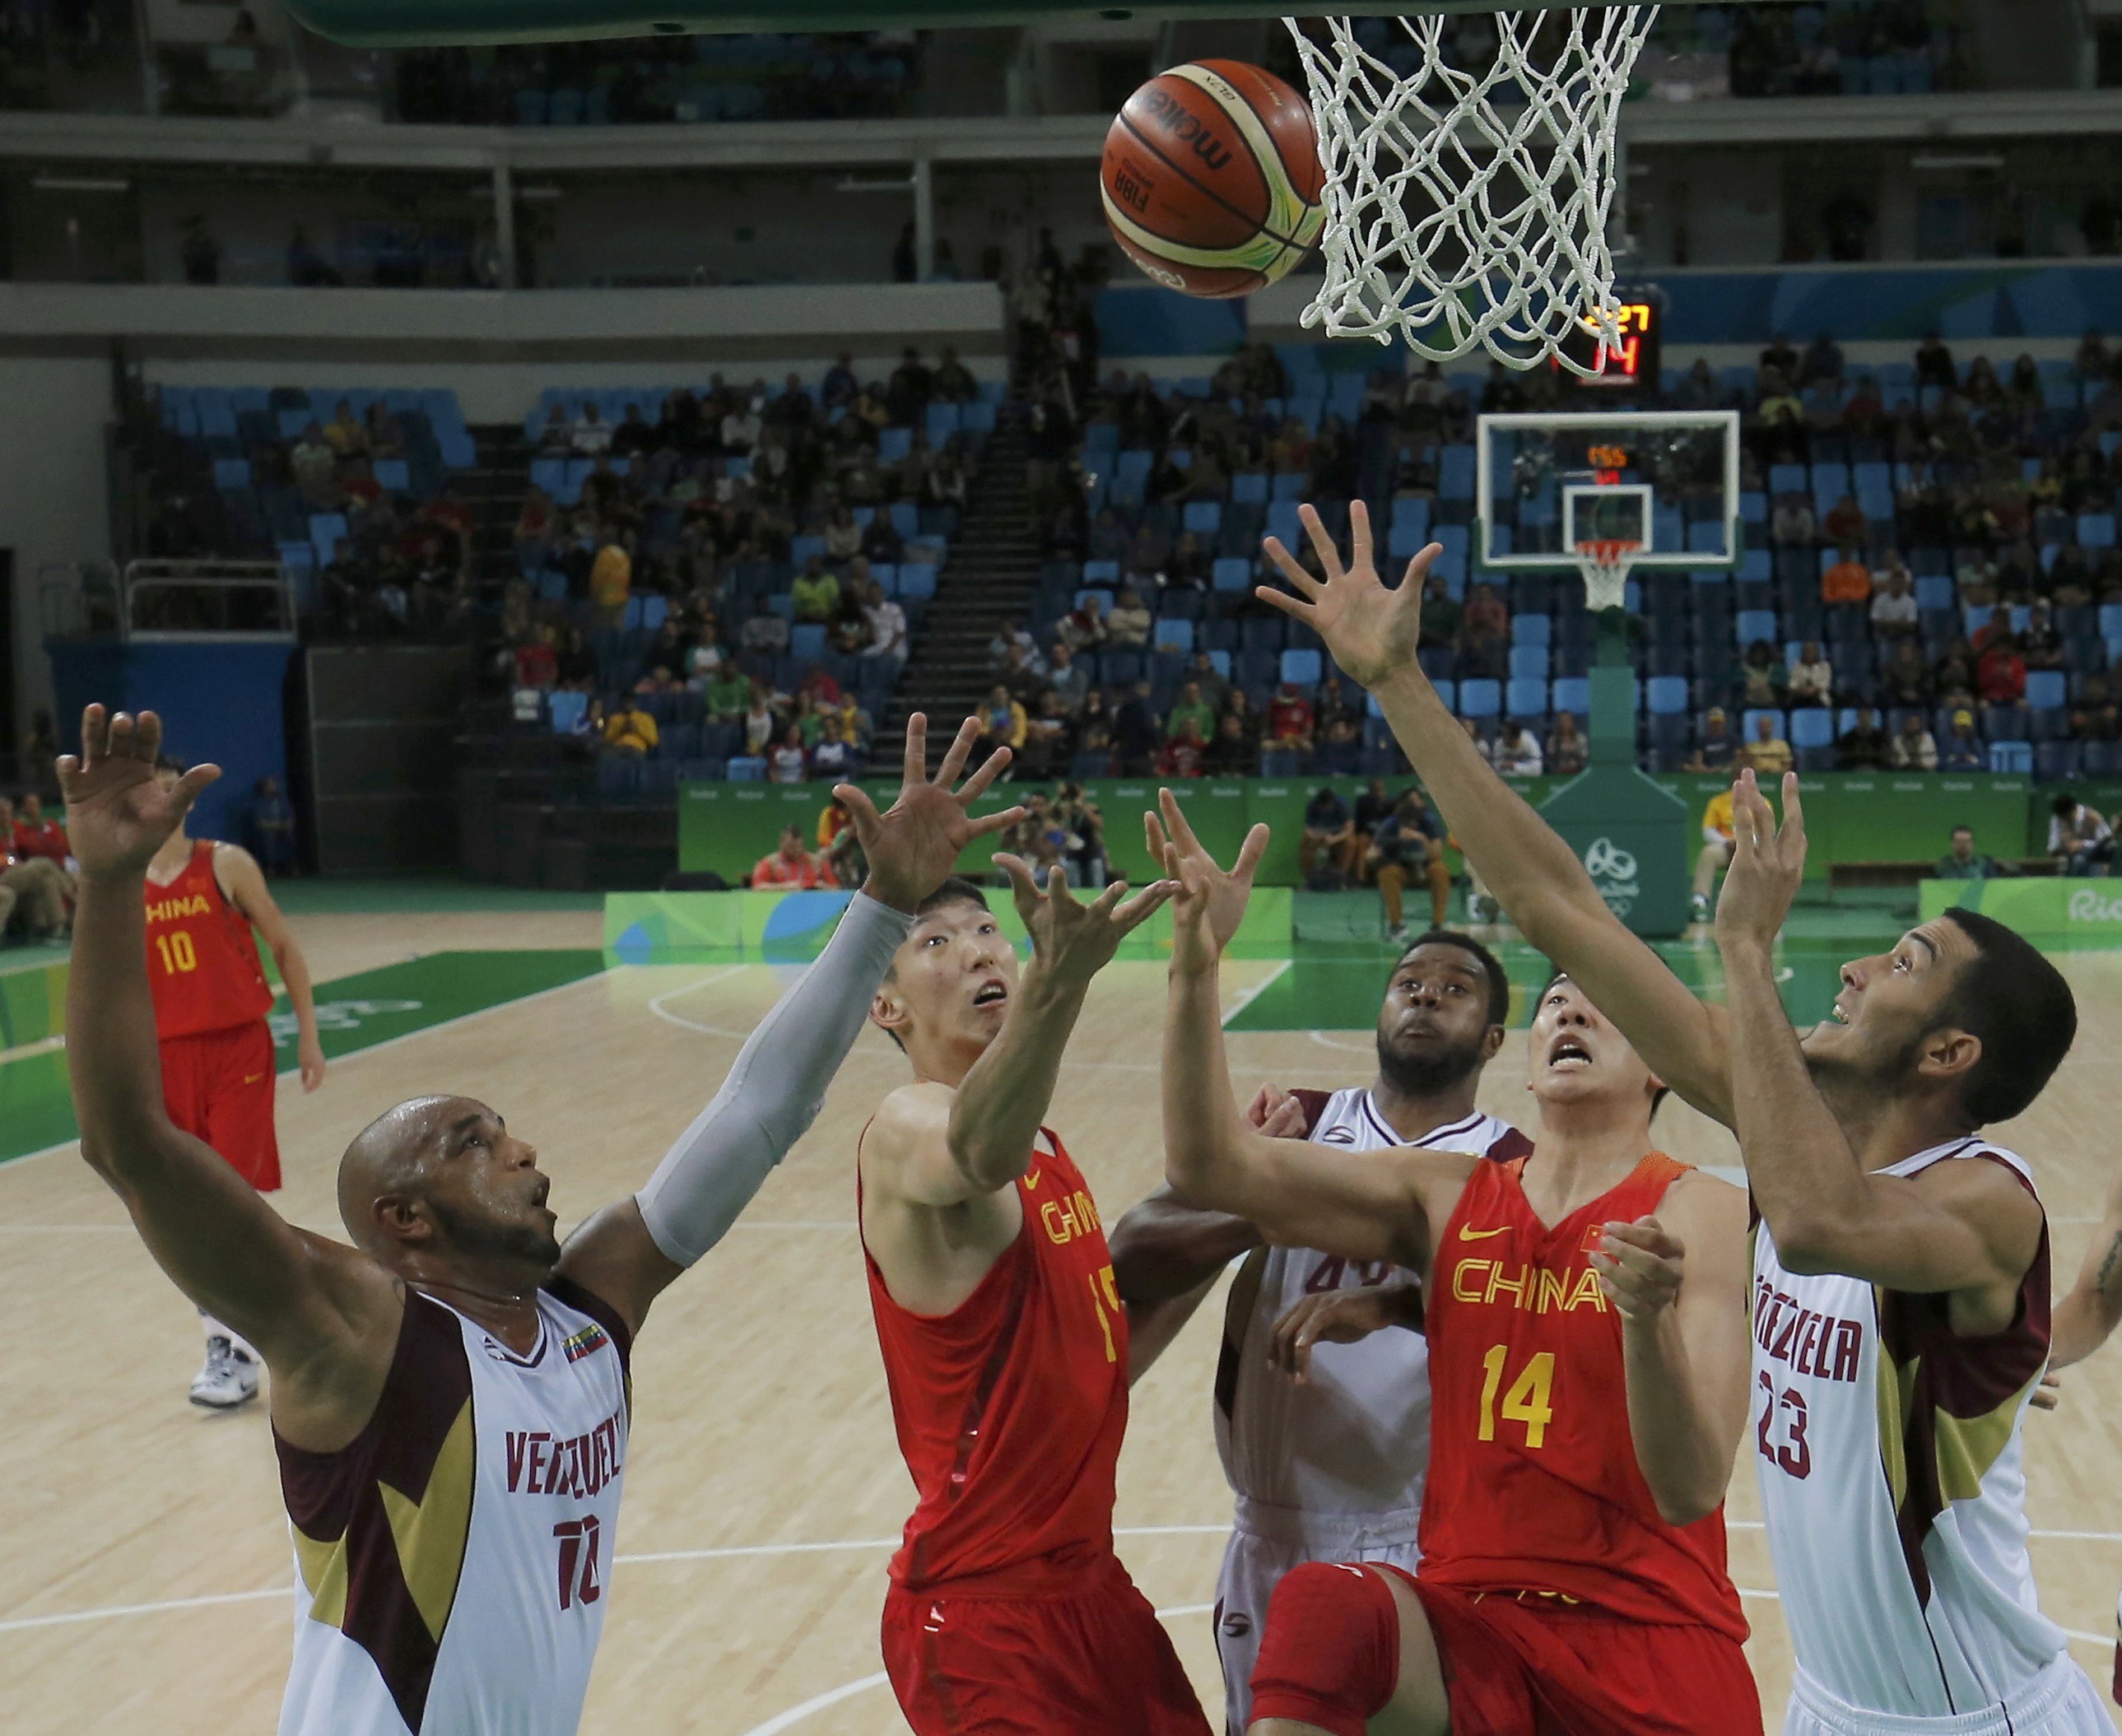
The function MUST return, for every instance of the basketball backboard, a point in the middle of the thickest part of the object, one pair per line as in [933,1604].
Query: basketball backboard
[1602,490]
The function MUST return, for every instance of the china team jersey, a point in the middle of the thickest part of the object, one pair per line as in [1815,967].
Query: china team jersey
[1354,1438]
[1889,1451]
[1010,1409]
[1533,1480]
[451,1562]
[202,962]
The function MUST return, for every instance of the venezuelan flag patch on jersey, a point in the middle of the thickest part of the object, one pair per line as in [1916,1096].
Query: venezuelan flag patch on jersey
[587,1342]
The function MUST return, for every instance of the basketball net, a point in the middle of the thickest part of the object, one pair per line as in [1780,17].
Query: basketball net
[1605,563]
[1457,219]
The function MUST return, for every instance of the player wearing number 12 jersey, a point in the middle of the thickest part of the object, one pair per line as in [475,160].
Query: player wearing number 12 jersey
[1586,1310]
[218,1065]
[1006,1345]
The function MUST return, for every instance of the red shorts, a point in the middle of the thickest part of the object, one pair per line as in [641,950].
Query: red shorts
[1531,1667]
[1093,1663]
[218,1086]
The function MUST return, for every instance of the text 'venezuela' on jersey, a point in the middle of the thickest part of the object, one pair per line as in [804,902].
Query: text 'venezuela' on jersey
[203,965]
[1009,1410]
[1889,1449]
[1355,1437]
[452,1561]
[1533,1480]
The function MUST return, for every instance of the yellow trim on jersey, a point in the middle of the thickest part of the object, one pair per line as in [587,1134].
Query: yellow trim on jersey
[1968,1446]
[431,1534]
[1896,1391]
[323,1568]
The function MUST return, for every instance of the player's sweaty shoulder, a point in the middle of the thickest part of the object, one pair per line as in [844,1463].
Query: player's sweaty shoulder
[1712,1210]
[911,1124]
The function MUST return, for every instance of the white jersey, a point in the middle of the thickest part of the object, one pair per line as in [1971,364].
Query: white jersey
[451,1562]
[1354,1438]
[1889,1453]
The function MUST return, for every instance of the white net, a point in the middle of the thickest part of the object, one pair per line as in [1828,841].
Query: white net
[1470,165]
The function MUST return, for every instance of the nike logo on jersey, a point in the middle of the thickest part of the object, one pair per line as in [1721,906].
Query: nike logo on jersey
[1031,1181]
[252,1079]
[1480,1235]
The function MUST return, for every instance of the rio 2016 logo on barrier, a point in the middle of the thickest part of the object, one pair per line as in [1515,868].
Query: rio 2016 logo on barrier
[1613,871]
[2089,906]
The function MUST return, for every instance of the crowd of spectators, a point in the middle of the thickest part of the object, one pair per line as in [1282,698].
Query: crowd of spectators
[1931,577]
[36,871]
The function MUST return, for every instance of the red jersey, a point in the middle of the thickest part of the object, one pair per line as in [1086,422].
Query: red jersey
[1533,1480]
[202,961]
[1010,1409]
[47,839]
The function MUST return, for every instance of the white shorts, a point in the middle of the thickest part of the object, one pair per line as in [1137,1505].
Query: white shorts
[2060,1701]
[1266,1543]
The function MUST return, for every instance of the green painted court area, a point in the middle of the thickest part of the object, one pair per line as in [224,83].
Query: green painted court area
[353,1012]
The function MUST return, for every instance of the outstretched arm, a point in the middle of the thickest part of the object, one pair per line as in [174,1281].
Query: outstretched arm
[631,1250]
[244,882]
[1957,1227]
[324,1316]
[1374,634]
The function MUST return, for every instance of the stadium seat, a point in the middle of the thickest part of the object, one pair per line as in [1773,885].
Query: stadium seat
[1525,698]
[2047,689]
[2011,756]
[1812,726]
[1171,635]
[1480,699]
[1303,666]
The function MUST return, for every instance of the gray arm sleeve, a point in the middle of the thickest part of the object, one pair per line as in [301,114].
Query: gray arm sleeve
[773,1092]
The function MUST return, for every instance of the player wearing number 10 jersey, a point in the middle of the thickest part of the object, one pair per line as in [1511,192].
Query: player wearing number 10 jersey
[1585,1309]
[211,999]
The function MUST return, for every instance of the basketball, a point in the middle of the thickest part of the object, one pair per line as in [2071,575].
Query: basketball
[1211,178]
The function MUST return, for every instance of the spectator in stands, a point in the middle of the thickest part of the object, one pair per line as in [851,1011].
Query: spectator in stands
[1913,748]
[704,657]
[840,386]
[1486,610]
[344,434]
[1698,389]
[2000,674]
[1719,833]
[1961,749]
[1136,738]
[1715,750]
[1894,611]
[843,536]
[1768,753]
[35,835]
[386,439]
[1780,357]
[1190,708]
[1441,616]
[1481,654]
[590,436]
[1517,752]
[1811,677]
[1567,750]
[1964,862]
[1231,752]
[1333,706]
[1189,564]
[1323,853]
[1185,752]
[2040,644]
[850,624]
[728,693]
[1998,625]
[760,721]
[911,389]
[815,592]
[611,581]
[790,865]
[1845,525]
[1822,361]
[887,626]
[1215,690]
[1002,722]
[1934,365]
[954,382]
[34,887]
[2079,838]
[1049,737]
[1127,625]
[307,268]
[1291,724]
[537,659]
[835,758]
[1762,677]
[789,762]
[534,530]
[1975,577]
[743,422]
[1017,672]
[1849,580]
[557,437]
[630,729]
[1864,746]
[632,434]
[1793,525]
[313,468]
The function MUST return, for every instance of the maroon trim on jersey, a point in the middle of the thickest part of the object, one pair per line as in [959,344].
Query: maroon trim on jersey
[1512,1147]
[1315,1104]
[337,1497]
[588,1302]
[1957,1375]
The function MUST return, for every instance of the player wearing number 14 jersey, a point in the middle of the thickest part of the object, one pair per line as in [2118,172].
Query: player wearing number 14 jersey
[1584,1315]
[211,999]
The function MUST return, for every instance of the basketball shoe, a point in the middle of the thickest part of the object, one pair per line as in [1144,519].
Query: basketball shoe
[229,1378]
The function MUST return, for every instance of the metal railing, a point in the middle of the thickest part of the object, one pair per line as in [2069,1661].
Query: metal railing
[152,600]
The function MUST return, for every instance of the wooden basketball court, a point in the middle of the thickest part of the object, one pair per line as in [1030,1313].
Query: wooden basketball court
[144,1564]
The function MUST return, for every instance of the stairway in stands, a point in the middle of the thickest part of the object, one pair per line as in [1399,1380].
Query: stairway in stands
[494,491]
[986,584]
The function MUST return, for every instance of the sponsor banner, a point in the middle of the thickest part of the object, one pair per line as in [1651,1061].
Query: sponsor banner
[792,927]
[2058,910]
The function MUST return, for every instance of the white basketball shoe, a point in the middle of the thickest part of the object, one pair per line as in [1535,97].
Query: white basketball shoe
[230,1377]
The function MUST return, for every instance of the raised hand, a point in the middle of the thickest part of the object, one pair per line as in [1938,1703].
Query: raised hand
[913,845]
[118,814]
[1767,862]
[1373,632]
[1072,941]
[1640,1267]
[1171,842]
[1277,1113]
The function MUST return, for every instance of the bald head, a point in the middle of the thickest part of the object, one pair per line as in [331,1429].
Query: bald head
[391,1158]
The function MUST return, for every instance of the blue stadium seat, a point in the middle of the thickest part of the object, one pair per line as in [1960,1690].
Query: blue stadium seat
[231,473]
[1668,696]
[618,776]
[917,581]
[1571,693]
[1169,635]
[1203,518]
[1250,487]
[1529,663]
[2096,529]
[1527,698]
[1481,699]
[393,475]
[2011,756]
[1812,726]
[1105,573]
[1532,628]
[2056,762]
[1232,575]
[1750,722]
[806,641]
[2047,689]
[1304,666]
[1750,625]
[1457,470]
